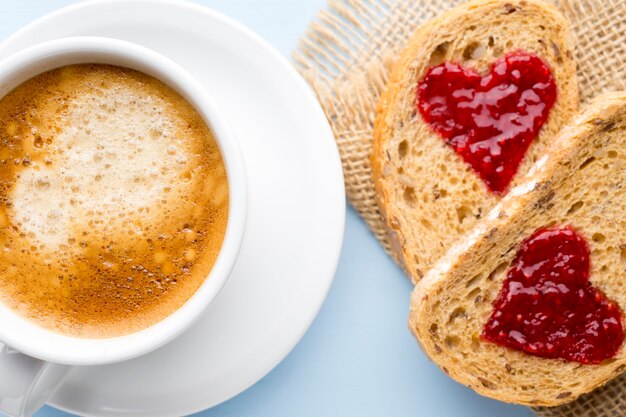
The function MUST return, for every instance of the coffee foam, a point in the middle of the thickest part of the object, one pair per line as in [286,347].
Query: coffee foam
[116,200]
[104,169]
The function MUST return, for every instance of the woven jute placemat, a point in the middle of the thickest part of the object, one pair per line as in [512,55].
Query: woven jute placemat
[346,55]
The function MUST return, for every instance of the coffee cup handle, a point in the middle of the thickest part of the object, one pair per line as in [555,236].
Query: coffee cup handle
[26,383]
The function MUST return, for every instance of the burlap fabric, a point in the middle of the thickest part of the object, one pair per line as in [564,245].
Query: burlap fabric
[346,54]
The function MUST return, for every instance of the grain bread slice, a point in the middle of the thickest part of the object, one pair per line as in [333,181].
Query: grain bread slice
[582,183]
[427,193]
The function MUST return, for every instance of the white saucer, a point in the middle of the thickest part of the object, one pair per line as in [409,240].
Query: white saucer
[296,211]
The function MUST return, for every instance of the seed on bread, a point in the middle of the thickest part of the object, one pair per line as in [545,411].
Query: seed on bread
[581,184]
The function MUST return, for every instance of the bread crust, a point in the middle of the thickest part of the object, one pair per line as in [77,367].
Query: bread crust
[580,183]
[418,247]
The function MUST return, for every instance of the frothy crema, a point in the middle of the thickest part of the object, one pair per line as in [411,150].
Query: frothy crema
[114,200]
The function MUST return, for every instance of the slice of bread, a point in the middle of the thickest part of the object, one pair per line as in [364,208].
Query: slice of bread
[427,193]
[582,184]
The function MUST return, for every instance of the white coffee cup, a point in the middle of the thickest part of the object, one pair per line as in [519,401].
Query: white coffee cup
[34,361]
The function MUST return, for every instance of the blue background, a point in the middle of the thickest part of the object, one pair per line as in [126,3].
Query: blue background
[358,358]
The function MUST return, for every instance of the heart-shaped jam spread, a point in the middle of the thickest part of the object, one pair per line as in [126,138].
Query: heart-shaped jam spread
[547,307]
[490,120]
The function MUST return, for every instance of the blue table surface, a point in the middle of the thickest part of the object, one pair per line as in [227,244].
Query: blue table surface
[358,357]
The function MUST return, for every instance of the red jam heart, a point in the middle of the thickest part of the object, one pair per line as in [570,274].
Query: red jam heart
[490,120]
[547,306]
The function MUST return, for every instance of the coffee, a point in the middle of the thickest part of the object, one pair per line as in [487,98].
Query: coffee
[113,200]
